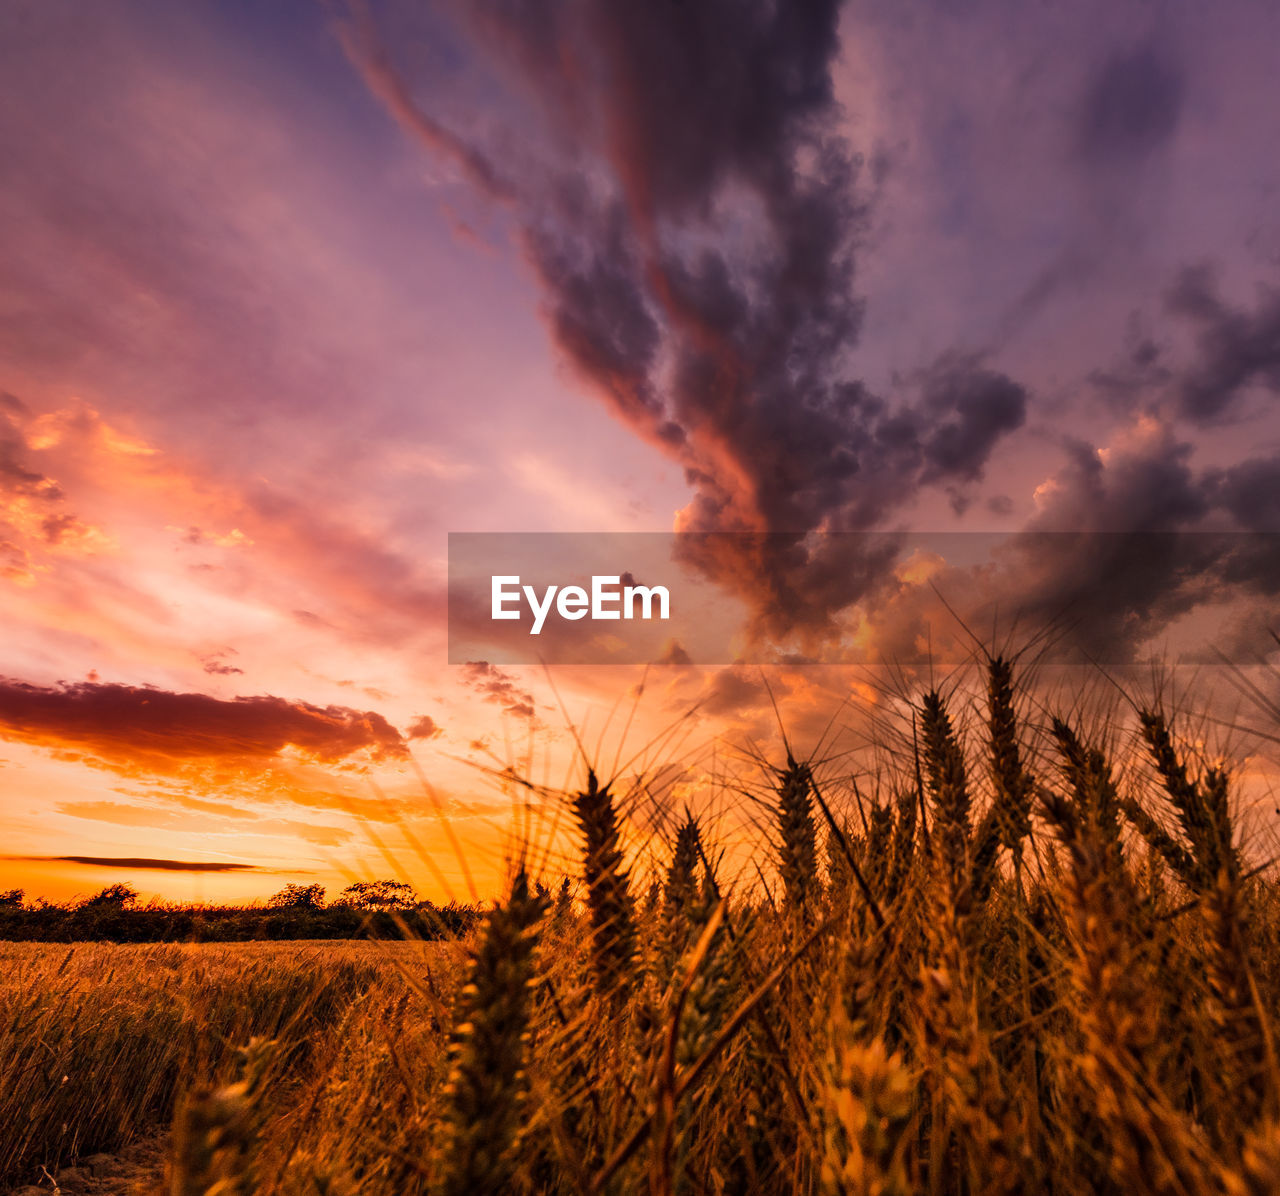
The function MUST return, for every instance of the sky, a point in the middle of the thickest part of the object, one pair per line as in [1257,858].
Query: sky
[290,291]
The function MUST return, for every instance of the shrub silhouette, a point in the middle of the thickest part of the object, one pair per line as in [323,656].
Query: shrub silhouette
[117,896]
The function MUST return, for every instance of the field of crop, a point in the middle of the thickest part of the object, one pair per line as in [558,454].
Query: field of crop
[1036,956]
[100,1043]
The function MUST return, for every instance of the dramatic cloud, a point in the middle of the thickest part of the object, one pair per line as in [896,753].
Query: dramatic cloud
[145,725]
[135,862]
[693,221]
[696,216]
[1132,538]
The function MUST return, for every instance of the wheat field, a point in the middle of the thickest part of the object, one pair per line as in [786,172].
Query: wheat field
[1039,954]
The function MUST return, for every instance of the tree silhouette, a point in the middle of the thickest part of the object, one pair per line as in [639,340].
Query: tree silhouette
[298,897]
[379,894]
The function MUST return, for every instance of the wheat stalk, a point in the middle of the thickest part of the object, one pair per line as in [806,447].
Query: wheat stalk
[484,1097]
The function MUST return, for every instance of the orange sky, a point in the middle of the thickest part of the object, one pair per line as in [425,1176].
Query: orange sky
[270,328]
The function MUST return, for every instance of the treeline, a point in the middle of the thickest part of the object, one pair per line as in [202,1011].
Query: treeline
[375,909]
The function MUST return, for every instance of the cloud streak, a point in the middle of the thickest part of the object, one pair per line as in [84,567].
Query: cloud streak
[144,863]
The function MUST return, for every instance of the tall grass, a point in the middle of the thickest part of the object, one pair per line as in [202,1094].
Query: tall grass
[1038,959]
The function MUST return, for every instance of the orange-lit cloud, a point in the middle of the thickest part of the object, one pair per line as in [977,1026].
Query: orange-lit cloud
[499,687]
[142,725]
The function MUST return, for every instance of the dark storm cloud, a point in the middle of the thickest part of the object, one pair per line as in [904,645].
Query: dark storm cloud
[1236,347]
[135,862]
[1132,106]
[694,220]
[124,722]
[974,407]
[1126,545]
[1149,543]
[1150,488]
[694,216]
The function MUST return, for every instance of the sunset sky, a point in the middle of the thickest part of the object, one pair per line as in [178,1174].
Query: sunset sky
[289,291]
